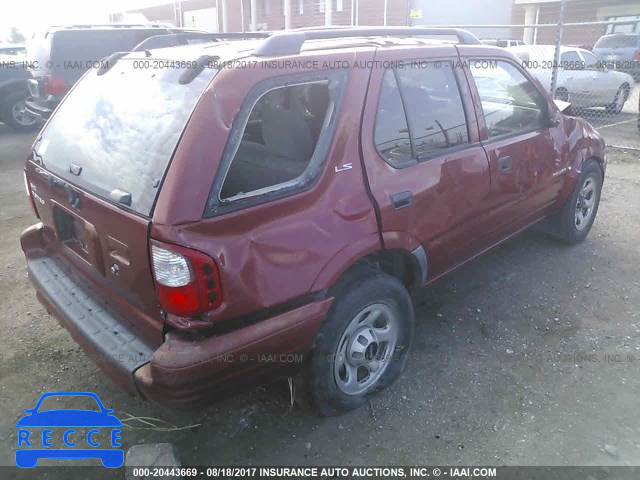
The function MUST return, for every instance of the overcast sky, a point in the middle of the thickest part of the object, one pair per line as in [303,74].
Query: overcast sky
[32,15]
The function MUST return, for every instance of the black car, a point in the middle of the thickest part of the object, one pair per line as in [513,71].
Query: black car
[13,93]
[59,56]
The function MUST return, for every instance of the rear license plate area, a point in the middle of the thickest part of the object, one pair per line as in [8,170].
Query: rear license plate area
[77,235]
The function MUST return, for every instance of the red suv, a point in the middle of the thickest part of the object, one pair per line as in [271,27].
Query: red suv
[213,213]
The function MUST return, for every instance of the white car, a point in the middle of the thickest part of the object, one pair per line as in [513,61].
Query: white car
[583,80]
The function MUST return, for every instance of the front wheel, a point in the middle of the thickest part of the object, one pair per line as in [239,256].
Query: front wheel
[619,100]
[363,344]
[579,212]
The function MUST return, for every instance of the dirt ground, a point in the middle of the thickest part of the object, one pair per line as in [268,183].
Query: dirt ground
[526,356]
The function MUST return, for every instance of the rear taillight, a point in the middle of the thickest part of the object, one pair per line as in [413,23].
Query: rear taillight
[29,194]
[187,281]
[55,85]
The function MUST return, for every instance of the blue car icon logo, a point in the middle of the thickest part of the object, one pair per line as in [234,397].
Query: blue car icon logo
[69,433]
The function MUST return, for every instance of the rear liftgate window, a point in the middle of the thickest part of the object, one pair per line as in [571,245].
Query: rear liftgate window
[118,131]
[279,140]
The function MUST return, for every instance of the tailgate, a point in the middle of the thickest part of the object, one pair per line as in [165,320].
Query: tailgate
[105,244]
[96,170]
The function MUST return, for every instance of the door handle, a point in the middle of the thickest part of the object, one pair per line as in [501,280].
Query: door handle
[504,164]
[401,199]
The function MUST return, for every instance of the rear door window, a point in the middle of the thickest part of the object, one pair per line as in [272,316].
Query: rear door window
[571,60]
[120,130]
[284,127]
[434,108]
[420,113]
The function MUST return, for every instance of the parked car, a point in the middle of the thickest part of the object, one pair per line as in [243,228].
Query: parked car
[62,54]
[583,80]
[12,49]
[13,93]
[621,51]
[502,42]
[203,227]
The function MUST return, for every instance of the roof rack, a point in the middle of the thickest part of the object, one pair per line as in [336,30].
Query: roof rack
[114,25]
[176,39]
[290,42]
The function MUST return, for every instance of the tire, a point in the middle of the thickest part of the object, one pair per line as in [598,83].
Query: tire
[368,308]
[14,115]
[619,100]
[573,226]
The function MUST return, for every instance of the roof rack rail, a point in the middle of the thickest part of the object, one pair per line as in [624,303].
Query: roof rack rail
[114,25]
[177,39]
[290,42]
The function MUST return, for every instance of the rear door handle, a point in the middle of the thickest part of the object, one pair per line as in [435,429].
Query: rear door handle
[504,164]
[402,199]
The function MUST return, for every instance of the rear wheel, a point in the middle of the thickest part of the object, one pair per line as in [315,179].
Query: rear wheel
[619,100]
[363,344]
[15,114]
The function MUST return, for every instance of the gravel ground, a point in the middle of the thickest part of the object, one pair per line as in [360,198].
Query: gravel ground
[526,356]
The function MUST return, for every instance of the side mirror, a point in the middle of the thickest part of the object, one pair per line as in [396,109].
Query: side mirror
[562,105]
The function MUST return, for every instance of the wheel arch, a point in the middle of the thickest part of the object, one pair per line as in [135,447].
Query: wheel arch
[406,262]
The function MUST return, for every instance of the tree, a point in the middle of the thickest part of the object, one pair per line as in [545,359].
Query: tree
[16,36]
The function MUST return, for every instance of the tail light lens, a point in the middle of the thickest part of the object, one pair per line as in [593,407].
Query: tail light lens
[187,281]
[31,201]
[55,85]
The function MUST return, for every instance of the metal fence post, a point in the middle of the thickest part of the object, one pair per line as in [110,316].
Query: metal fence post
[556,56]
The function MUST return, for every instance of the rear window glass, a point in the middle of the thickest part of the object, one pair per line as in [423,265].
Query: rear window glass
[121,129]
[618,41]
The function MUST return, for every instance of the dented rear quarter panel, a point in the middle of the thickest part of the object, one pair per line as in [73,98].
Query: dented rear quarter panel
[282,249]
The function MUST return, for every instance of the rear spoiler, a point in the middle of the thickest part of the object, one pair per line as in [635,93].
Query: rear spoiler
[177,39]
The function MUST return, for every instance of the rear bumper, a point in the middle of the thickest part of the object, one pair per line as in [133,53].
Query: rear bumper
[185,370]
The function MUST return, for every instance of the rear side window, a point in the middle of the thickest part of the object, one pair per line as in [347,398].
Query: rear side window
[511,103]
[284,130]
[392,131]
[571,60]
[420,113]
[121,129]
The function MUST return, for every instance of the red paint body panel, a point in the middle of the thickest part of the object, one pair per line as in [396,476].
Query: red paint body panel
[278,258]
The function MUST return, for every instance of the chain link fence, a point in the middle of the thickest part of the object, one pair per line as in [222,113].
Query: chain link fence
[576,62]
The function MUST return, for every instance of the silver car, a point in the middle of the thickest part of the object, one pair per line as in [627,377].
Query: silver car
[583,80]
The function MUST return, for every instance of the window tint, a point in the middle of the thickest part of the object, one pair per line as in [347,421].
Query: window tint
[510,102]
[391,131]
[434,107]
[121,128]
[591,61]
[618,41]
[279,139]
[571,61]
